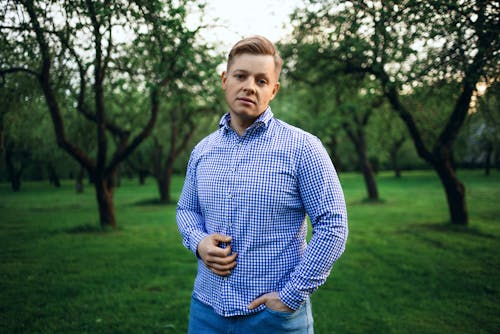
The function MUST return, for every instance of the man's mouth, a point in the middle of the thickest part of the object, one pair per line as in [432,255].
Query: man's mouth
[245,100]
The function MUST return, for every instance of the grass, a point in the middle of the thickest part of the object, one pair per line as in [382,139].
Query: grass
[405,269]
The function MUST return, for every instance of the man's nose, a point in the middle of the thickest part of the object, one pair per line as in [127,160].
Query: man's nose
[249,87]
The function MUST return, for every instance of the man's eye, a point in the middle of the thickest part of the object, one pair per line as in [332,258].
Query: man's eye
[239,76]
[262,82]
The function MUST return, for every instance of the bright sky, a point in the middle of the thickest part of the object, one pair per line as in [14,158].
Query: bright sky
[242,18]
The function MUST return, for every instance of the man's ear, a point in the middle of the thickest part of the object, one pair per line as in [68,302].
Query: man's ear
[223,77]
[275,89]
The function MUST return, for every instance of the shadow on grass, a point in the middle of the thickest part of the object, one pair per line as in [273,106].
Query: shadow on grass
[91,229]
[50,208]
[153,202]
[369,201]
[447,227]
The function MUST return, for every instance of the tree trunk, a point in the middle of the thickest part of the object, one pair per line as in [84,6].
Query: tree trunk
[53,177]
[359,141]
[455,192]
[395,164]
[497,159]
[14,175]
[336,159]
[487,159]
[104,193]
[393,152]
[165,179]
[367,170]
[79,180]
[142,177]
[369,176]
[164,189]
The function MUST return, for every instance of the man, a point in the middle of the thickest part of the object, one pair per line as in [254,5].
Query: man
[242,210]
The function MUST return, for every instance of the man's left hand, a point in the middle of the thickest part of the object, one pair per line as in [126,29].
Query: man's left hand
[272,301]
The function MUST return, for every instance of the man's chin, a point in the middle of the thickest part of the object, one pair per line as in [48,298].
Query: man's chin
[246,114]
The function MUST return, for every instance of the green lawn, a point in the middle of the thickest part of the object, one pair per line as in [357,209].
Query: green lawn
[405,270]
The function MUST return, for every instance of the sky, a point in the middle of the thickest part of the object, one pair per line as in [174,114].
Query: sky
[241,18]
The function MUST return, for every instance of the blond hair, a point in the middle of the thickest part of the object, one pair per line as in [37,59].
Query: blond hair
[256,45]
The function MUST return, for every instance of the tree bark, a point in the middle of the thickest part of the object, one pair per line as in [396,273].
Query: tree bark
[142,177]
[13,173]
[455,192]
[53,177]
[79,180]
[393,152]
[165,180]
[164,189]
[359,141]
[104,187]
[395,164]
[368,174]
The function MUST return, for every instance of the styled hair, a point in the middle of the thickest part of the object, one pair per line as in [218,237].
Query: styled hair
[256,45]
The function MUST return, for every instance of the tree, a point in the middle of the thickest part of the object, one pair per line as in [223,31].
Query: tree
[185,115]
[489,108]
[411,44]
[21,100]
[355,121]
[191,102]
[482,140]
[344,102]
[183,107]
[391,135]
[76,48]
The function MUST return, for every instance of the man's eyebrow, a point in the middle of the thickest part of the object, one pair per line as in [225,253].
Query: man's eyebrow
[260,74]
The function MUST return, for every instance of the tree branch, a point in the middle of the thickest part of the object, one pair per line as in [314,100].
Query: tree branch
[125,151]
[18,70]
[53,106]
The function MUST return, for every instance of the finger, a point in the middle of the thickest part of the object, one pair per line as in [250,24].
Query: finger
[222,270]
[222,260]
[227,250]
[219,252]
[257,302]
[221,238]
[222,266]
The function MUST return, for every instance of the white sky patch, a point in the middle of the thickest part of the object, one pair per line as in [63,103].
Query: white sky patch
[231,20]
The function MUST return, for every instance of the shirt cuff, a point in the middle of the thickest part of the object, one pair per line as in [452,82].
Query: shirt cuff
[293,298]
[194,240]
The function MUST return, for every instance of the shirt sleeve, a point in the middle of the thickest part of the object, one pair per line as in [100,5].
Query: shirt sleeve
[323,199]
[189,219]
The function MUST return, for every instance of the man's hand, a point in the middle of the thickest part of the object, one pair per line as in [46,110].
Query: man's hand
[272,301]
[218,260]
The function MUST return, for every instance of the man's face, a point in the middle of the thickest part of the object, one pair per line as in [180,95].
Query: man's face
[250,84]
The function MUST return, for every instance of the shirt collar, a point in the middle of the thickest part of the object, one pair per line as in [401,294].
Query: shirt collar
[263,120]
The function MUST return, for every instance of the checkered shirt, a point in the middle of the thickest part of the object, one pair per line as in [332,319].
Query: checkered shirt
[258,188]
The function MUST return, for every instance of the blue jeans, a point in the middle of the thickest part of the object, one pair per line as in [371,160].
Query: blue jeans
[203,320]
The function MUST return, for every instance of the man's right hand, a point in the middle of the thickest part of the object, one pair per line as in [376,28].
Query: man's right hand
[218,260]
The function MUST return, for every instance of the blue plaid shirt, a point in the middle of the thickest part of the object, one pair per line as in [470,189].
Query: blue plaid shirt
[258,188]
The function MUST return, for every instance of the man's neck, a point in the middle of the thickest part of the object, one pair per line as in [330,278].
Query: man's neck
[239,128]
[240,125]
